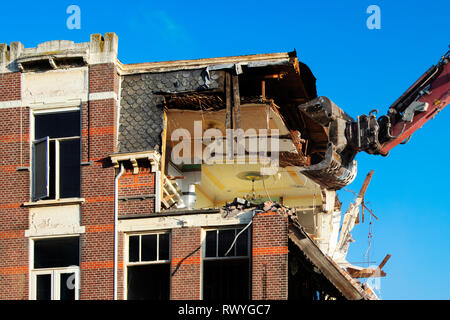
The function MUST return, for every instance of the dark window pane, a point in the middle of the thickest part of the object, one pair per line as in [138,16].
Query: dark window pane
[43,287]
[148,250]
[226,238]
[57,125]
[226,279]
[40,172]
[133,249]
[52,169]
[67,286]
[69,162]
[150,282]
[242,243]
[53,253]
[164,246]
[211,240]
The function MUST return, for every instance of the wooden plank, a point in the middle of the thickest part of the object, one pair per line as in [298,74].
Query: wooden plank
[361,195]
[385,260]
[366,273]
[169,197]
[365,184]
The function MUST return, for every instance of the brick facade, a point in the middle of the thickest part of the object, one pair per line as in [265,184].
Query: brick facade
[270,257]
[14,186]
[131,187]
[186,264]
[10,86]
[97,185]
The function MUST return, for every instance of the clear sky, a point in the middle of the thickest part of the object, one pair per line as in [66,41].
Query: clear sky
[358,68]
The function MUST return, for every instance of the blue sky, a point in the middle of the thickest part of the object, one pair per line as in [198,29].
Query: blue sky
[358,68]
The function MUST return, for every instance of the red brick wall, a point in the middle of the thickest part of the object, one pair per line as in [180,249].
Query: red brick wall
[141,184]
[10,86]
[14,190]
[186,264]
[270,257]
[103,78]
[97,185]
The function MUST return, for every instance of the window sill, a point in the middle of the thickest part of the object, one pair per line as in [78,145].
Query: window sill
[53,202]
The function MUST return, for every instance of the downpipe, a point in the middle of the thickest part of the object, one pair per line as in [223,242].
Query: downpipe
[116,219]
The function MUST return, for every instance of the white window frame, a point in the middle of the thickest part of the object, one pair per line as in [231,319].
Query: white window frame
[140,262]
[217,243]
[54,272]
[55,276]
[34,113]
[143,263]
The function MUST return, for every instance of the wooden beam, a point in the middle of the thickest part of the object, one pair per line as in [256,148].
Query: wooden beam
[163,152]
[365,184]
[361,195]
[236,102]
[170,196]
[370,211]
[263,89]
[366,273]
[228,123]
[385,260]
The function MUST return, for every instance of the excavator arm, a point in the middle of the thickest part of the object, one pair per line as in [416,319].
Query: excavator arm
[343,137]
[420,103]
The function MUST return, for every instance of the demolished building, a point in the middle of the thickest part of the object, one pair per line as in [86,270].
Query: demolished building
[105,185]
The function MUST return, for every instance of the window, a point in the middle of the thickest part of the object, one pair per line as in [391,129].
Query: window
[148,268]
[55,269]
[226,266]
[56,155]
